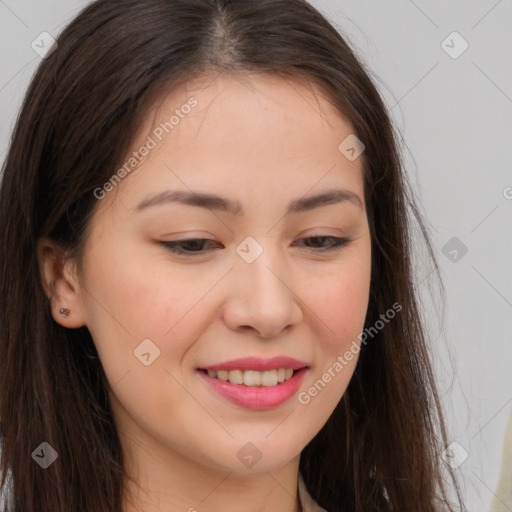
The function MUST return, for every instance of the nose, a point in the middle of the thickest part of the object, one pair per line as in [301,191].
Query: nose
[262,296]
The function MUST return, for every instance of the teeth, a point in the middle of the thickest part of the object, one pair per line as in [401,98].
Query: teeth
[253,378]
[269,378]
[236,376]
[222,375]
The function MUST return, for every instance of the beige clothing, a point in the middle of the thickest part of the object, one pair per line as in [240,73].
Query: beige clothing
[502,499]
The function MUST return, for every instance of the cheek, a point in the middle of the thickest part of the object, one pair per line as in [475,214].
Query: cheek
[141,331]
[131,297]
[126,304]
[340,301]
[129,303]
[339,304]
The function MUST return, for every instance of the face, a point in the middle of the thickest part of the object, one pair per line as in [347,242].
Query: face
[173,286]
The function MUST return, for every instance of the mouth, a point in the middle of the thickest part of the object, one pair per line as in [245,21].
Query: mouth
[254,389]
[252,378]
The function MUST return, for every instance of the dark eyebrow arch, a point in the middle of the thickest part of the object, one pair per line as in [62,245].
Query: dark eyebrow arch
[215,202]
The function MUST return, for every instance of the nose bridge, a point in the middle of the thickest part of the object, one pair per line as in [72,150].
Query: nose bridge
[264,295]
[265,275]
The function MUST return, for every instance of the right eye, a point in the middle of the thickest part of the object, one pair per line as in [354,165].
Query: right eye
[186,247]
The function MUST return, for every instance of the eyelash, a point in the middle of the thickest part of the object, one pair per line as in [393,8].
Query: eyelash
[177,245]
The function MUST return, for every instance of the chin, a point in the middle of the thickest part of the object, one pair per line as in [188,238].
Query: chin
[259,455]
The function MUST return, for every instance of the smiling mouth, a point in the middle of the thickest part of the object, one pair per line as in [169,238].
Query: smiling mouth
[252,378]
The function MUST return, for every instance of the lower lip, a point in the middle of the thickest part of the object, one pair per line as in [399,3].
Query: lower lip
[256,397]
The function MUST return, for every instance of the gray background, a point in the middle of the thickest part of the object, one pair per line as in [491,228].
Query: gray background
[455,117]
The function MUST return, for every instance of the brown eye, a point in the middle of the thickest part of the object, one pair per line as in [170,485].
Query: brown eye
[194,246]
[336,243]
[186,247]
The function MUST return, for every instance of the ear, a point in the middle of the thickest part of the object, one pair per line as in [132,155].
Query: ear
[60,283]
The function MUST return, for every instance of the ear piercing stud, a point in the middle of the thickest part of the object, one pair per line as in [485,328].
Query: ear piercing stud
[64,312]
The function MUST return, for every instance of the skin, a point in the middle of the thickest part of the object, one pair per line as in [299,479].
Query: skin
[263,141]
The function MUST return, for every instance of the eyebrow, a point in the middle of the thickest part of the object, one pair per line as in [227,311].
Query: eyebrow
[215,202]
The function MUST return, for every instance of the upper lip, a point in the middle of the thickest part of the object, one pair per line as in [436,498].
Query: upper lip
[258,364]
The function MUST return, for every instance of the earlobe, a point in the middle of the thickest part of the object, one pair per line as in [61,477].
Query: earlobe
[60,284]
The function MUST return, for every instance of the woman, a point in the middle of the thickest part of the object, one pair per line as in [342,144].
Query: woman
[259,369]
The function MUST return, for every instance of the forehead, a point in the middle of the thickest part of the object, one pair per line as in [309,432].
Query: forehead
[252,134]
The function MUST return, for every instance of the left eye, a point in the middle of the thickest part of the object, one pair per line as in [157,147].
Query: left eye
[180,246]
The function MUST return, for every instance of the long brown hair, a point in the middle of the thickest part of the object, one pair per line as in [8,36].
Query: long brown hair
[380,449]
